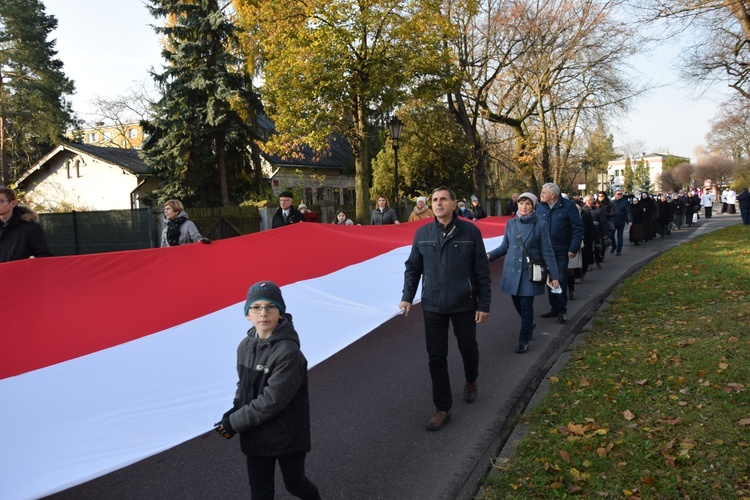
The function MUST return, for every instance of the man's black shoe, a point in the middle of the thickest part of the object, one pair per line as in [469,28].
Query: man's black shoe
[612,249]
[550,314]
[562,317]
[522,348]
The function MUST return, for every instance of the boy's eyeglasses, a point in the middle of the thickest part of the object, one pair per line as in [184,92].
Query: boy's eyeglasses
[257,309]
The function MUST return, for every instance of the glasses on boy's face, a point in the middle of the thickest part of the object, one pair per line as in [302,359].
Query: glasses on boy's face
[257,309]
[618,194]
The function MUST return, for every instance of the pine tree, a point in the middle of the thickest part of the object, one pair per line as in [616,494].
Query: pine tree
[628,175]
[34,113]
[200,141]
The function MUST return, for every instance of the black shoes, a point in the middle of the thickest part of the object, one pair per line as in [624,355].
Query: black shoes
[550,314]
[522,347]
[562,317]
[571,294]
[612,249]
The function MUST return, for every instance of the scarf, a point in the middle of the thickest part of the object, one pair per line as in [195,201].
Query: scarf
[524,218]
[173,230]
[419,211]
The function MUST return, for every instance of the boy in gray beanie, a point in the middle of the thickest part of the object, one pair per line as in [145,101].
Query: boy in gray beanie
[271,410]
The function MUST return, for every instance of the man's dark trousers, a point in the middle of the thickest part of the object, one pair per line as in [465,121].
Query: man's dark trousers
[619,230]
[436,336]
[559,301]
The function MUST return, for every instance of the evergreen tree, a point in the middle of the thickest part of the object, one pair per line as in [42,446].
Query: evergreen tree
[599,152]
[627,175]
[34,113]
[200,145]
[642,175]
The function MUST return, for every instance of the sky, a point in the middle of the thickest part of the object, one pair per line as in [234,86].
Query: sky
[105,49]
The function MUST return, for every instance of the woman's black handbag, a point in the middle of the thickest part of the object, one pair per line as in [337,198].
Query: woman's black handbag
[537,268]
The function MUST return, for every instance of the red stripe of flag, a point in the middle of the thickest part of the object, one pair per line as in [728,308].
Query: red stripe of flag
[57,309]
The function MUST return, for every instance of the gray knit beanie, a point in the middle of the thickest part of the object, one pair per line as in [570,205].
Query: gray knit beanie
[265,290]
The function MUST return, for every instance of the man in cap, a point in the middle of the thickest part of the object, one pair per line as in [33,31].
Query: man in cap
[286,214]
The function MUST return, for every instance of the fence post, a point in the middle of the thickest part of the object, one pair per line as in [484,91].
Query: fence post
[76,244]
[150,215]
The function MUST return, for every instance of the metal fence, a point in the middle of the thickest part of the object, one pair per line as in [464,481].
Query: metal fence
[75,233]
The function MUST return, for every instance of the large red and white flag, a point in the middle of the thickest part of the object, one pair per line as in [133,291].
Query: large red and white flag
[107,359]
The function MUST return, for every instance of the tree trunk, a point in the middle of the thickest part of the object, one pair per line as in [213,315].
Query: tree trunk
[362,162]
[221,154]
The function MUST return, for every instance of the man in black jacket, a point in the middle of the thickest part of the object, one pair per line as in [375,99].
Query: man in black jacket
[286,214]
[449,257]
[21,237]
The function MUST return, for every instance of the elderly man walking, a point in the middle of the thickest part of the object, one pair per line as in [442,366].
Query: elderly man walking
[449,258]
[566,232]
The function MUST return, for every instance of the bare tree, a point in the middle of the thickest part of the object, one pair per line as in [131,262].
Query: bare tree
[721,48]
[730,130]
[677,178]
[715,169]
[118,113]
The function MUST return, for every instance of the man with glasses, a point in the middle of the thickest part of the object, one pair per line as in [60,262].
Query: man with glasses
[286,214]
[622,216]
[21,236]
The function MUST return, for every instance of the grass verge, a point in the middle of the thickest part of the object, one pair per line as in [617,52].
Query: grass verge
[654,402]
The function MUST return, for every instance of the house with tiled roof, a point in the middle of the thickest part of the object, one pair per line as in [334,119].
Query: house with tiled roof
[86,177]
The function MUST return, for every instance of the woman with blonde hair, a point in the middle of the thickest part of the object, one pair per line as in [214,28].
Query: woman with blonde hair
[179,230]
[383,214]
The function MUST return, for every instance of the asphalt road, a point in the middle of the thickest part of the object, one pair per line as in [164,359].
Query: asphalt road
[371,401]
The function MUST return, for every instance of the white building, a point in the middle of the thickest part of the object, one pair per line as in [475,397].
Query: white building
[655,163]
[88,178]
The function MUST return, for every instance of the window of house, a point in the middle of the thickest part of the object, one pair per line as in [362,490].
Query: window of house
[78,168]
[107,136]
[91,137]
[67,168]
[133,133]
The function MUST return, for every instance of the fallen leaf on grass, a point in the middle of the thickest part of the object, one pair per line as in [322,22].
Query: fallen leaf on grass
[628,415]
[723,366]
[565,455]
[687,444]
[576,429]
[744,421]
[651,481]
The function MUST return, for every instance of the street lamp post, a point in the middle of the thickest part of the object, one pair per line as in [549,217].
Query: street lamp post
[585,165]
[395,126]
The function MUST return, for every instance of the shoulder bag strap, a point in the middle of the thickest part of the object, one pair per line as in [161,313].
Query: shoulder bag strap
[518,235]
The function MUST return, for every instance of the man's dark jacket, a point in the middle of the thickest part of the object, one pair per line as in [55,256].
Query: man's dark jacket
[564,223]
[621,207]
[293,217]
[22,237]
[452,264]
